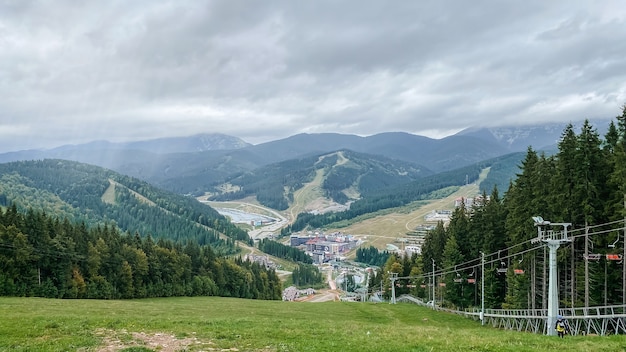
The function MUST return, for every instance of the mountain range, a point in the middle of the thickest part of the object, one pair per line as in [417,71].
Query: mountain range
[201,163]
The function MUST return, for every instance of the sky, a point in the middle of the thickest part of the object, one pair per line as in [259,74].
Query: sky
[78,71]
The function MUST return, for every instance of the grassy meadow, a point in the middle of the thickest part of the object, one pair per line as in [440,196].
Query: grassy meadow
[224,324]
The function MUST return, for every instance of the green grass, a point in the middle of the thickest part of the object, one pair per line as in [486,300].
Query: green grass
[34,324]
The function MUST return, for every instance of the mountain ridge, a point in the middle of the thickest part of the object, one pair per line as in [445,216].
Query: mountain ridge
[98,196]
[191,165]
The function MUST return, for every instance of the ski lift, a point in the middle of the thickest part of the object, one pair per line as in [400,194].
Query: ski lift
[458,278]
[614,257]
[502,269]
[471,279]
[519,271]
[593,257]
[612,245]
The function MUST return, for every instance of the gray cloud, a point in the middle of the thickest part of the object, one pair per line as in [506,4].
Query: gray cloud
[74,72]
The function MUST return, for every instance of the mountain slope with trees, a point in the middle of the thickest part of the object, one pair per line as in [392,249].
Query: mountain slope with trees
[184,171]
[584,184]
[44,256]
[76,191]
[344,170]
[391,197]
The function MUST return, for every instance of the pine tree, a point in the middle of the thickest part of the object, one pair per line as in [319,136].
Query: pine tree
[454,291]
[530,196]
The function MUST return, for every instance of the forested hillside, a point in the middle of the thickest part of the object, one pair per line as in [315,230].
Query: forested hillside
[305,273]
[584,184]
[502,172]
[391,197]
[81,192]
[41,255]
[274,184]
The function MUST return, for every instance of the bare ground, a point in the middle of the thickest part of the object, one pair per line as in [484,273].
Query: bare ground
[114,341]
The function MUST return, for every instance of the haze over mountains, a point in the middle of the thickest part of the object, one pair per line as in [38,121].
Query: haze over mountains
[197,163]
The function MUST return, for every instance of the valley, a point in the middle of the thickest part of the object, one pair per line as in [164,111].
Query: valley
[383,198]
[378,230]
[388,228]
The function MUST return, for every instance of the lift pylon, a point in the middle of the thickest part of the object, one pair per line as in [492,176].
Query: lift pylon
[553,239]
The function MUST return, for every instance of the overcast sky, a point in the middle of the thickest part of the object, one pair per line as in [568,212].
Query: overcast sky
[74,71]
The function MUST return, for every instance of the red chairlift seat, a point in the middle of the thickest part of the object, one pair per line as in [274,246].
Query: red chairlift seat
[614,257]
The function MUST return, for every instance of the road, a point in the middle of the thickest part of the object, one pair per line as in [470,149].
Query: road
[325,295]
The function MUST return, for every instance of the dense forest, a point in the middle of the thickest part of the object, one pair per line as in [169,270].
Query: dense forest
[79,192]
[274,184]
[280,250]
[584,184]
[502,172]
[307,275]
[41,255]
[367,173]
[371,256]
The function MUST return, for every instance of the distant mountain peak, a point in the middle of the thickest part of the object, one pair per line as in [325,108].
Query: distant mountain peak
[196,143]
[539,136]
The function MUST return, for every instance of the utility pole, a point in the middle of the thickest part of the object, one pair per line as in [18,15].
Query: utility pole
[553,239]
[482,289]
[586,266]
[393,278]
[434,297]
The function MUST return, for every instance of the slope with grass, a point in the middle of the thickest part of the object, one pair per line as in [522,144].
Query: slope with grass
[222,324]
[388,226]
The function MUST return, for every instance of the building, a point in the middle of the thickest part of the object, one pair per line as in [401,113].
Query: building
[292,293]
[413,249]
[297,240]
[323,248]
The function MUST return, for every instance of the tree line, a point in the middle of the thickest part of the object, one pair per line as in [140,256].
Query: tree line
[584,184]
[371,256]
[41,255]
[306,275]
[280,250]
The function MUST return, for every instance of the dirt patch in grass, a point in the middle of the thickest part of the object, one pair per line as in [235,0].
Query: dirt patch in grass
[114,341]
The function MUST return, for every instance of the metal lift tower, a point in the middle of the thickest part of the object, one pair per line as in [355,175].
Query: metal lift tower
[553,239]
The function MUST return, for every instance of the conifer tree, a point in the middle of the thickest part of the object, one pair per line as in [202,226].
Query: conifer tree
[455,291]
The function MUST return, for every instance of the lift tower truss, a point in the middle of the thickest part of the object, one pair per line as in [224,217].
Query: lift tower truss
[553,239]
